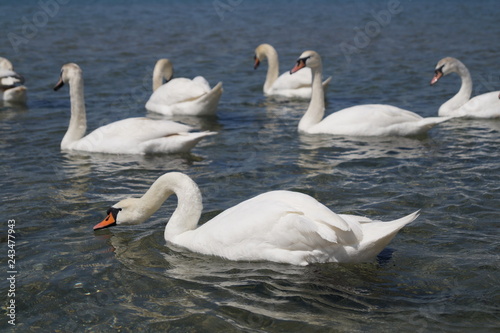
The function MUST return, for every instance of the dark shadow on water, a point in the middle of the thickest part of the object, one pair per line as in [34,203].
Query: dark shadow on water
[385,257]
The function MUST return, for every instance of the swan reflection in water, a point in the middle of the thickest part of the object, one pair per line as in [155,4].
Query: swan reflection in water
[321,154]
[182,283]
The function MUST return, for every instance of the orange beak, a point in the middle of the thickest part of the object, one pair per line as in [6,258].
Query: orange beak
[256,63]
[107,222]
[299,65]
[437,76]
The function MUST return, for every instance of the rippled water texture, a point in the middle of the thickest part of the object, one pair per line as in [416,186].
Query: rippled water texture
[440,274]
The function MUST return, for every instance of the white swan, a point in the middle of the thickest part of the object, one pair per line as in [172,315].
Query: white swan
[284,85]
[11,84]
[360,120]
[280,226]
[461,105]
[182,96]
[128,136]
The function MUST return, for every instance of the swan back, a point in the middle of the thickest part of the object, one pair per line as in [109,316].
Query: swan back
[486,106]
[182,96]
[280,226]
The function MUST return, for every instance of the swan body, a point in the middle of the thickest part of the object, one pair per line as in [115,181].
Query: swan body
[182,96]
[127,136]
[11,84]
[360,120]
[280,226]
[284,85]
[461,105]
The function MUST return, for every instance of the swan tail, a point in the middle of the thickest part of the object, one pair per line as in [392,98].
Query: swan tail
[217,89]
[377,235]
[177,143]
[327,82]
[433,121]
[437,120]
[205,133]
[194,136]
[210,101]
[424,125]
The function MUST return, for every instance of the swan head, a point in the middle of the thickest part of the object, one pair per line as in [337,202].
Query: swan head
[446,66]
[125,212]
[309,59]
[256,62]
[263,51]
[6,64]
[165,68]
[68,72]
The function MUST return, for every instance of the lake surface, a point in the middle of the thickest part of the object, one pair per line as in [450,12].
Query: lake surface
[440,273]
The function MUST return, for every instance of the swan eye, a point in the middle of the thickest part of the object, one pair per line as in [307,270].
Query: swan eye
[113,211]
[303,60]
[439,70]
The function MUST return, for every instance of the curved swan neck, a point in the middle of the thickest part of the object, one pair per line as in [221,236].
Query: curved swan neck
[267,51]
[163,70]
[316,109]
[463,94]
[189,202]
[78,121]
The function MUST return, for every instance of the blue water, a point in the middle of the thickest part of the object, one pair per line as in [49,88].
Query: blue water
[440,274]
